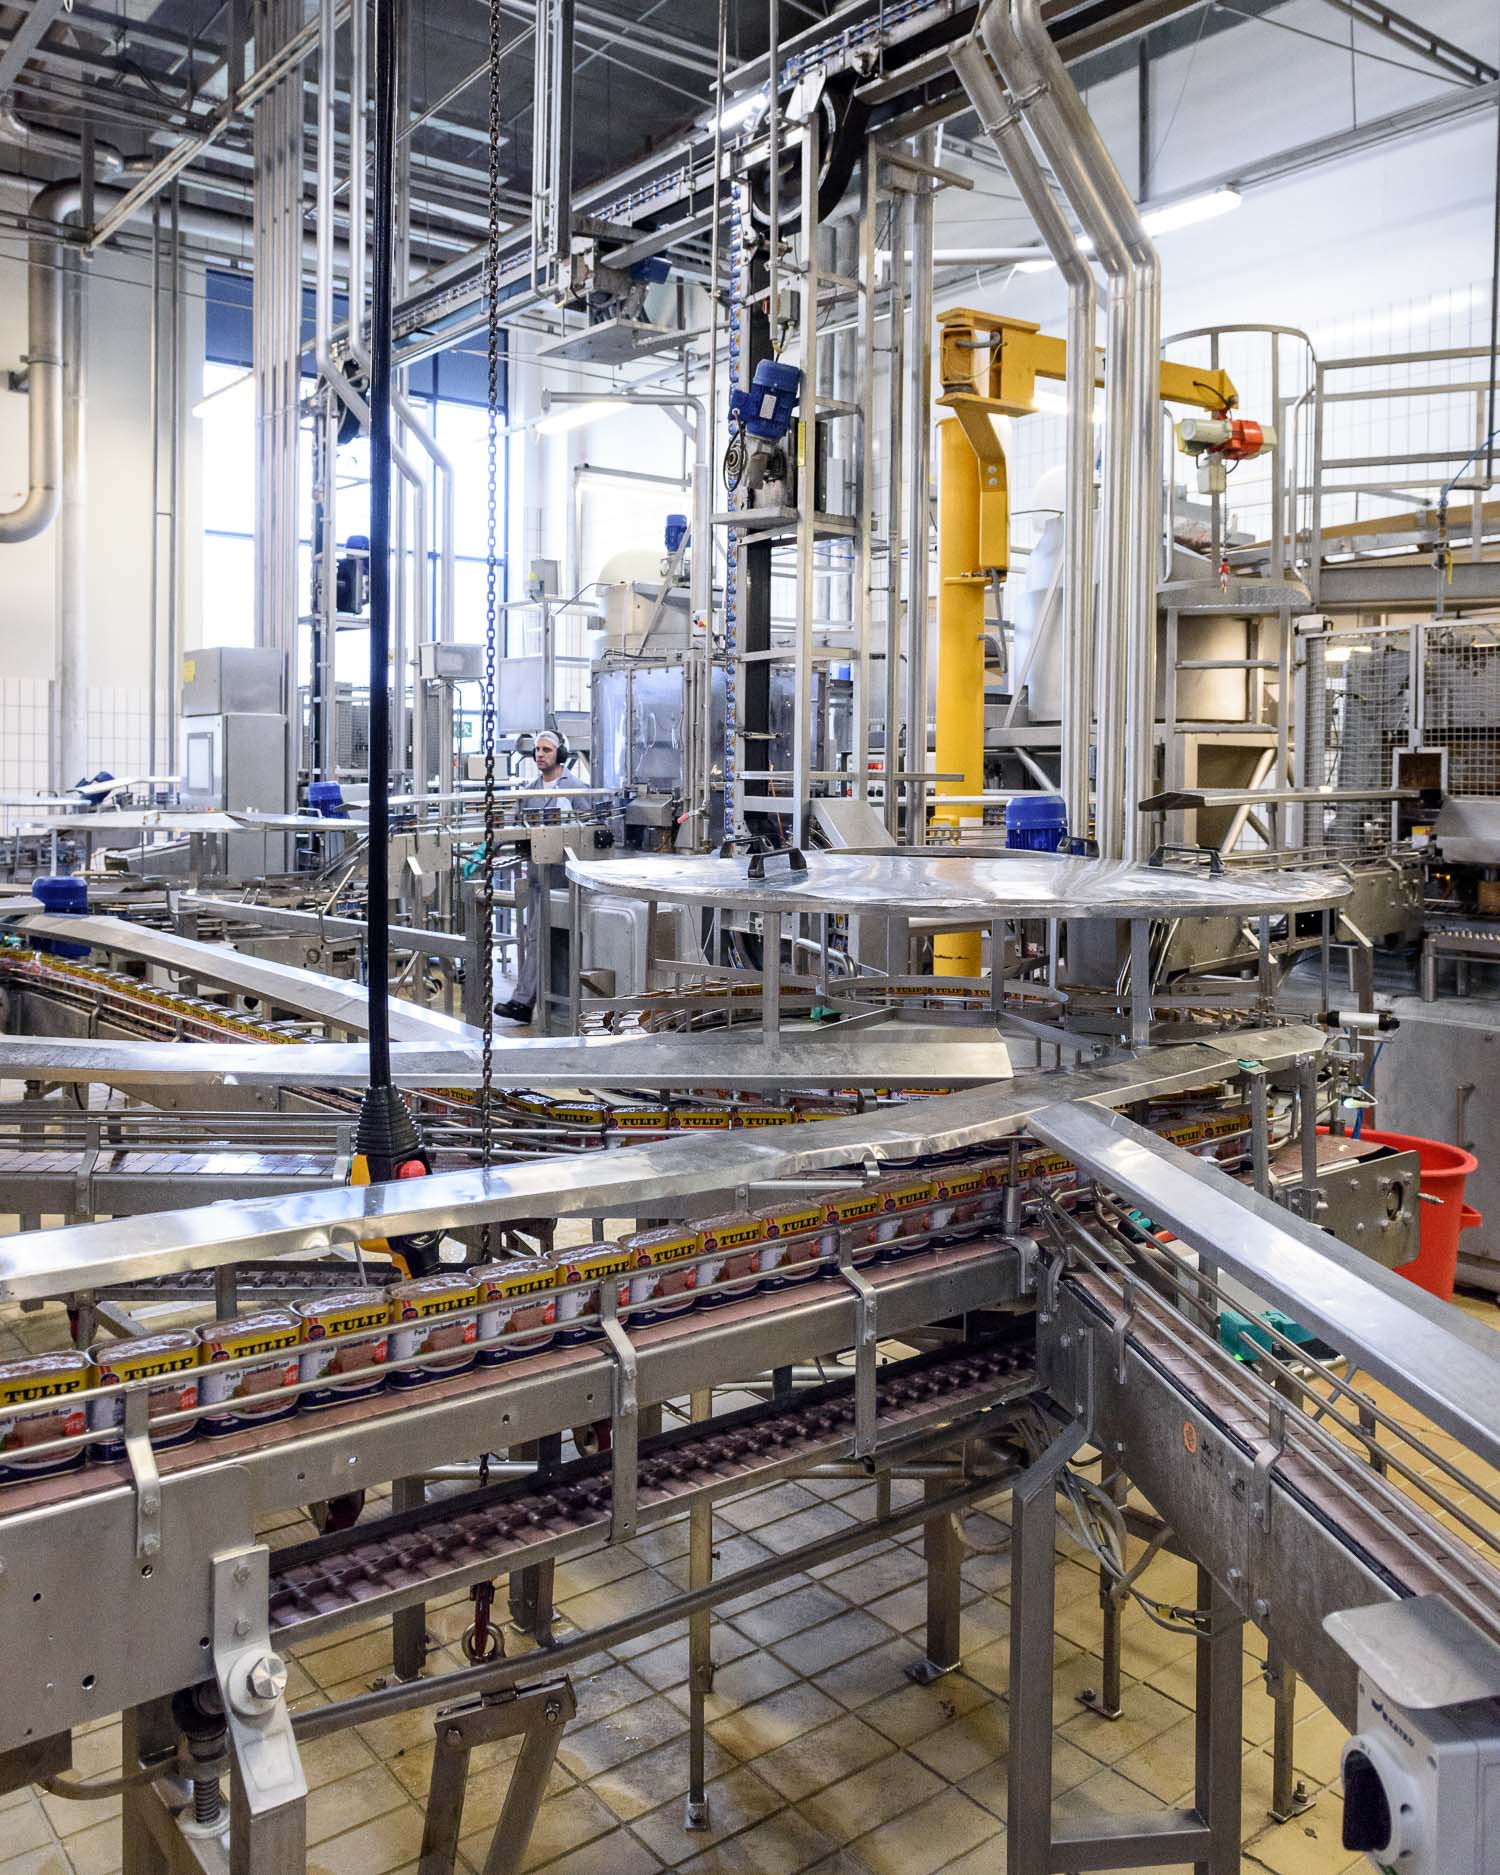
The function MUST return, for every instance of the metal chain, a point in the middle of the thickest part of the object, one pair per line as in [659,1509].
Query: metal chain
[487,877]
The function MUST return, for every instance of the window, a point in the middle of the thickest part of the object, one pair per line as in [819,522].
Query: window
[447,393]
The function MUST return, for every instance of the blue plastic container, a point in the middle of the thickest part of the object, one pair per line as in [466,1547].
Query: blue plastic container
[1036,823]
[65,897]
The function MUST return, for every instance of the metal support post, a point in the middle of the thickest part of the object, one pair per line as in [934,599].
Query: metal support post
[1289,1795]
[538,1714]
[700,1643]
[409,1625]
[267,1791]
[770,977]
[1140,983]
[1220,1687]
[1033,1526]
[942,1549]
[147,1733]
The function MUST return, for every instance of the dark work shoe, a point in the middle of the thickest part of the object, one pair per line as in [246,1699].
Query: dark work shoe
[514,1011]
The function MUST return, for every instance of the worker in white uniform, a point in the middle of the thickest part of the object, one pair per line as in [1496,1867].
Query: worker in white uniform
[550,754]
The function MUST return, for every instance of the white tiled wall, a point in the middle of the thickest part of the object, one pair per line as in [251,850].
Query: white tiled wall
[119,734]
[24,734]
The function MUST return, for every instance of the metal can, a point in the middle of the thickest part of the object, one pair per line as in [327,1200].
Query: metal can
[255,1394]
[578,1275]
[906,1200]
[964,1188]
[517,1295]
[663,1285]
[346,1341]
[433,1314]
[171,1360]
[738,1236]
[795,1234]
[855,1215]
[36,1406]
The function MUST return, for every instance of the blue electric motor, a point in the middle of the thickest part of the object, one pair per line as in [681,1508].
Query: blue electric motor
[64,897]
[1036,823]
[677,527]
[765,410]
[327,799]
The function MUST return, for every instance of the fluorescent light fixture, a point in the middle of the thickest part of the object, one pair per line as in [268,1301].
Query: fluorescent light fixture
[1187,213]
[200,409]
[1191,210]
[573,416]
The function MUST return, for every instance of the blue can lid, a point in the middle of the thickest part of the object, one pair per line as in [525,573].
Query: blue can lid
[1036,810]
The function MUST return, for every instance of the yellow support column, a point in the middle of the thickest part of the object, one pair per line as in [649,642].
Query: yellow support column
[960,665]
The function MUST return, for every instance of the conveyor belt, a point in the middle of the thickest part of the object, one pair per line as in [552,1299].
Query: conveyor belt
[448,1544]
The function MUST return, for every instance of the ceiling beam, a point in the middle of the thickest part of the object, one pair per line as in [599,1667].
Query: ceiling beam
[25,40]
[1428,45]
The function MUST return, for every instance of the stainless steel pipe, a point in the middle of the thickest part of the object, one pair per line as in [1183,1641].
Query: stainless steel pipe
[1132,387]
[1002,123]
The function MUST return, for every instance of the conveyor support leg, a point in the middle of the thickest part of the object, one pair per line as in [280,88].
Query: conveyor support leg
[538,1714]
[700,1643]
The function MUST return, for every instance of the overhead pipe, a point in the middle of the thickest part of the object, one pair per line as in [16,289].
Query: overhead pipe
[999,27]
[1001,122]
[35,141]
[1081,160]
[44,423]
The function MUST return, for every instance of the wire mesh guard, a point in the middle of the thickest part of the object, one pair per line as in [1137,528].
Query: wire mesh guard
[1364,678]
[1461,703]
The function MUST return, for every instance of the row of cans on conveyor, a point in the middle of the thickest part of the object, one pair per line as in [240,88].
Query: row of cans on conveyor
[144,996]
[351,1343]
[603,1118]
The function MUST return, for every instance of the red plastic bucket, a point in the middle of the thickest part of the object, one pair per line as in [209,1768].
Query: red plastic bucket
[1444,1169]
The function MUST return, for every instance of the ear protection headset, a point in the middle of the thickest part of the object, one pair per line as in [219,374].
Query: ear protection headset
[557,736]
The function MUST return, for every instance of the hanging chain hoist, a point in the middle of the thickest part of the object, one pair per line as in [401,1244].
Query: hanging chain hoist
[491,613]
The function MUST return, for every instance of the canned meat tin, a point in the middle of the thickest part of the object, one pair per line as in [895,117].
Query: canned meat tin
[36,1406]
[739,1238]
[855,1215]
[519,1294]
[809,1242]
[434,1314]
[905,1201]
[661,1284]
[345,1342]
[255,1394]
[578,1274]
[169,1360]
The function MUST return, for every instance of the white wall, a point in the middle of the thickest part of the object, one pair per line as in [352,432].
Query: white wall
[119,518]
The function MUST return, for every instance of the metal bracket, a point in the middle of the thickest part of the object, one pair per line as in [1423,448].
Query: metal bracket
[1120,1331]
[866,1298]
[625,1431]
[252,1677]
[1265,1459]
[144,1475]
[83,1175]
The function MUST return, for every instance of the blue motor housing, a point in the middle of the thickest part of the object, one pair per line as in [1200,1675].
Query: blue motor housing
[765,410]
[326,798]
[1036,823]
[64,897]
[677,527]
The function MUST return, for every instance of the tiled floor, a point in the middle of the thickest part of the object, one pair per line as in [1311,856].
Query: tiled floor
[823,1756]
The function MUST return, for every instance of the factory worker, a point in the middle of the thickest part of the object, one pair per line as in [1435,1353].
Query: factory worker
[550,754]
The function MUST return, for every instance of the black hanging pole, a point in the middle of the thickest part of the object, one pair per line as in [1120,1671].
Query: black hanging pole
[387,1143]
[377,912]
